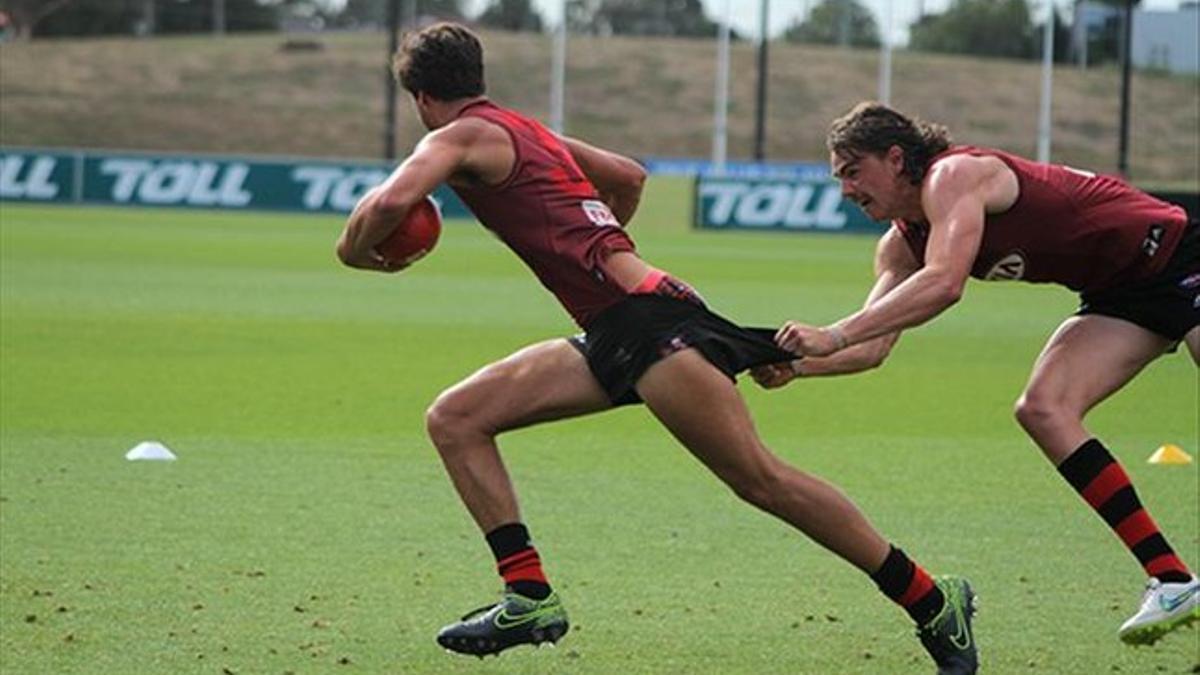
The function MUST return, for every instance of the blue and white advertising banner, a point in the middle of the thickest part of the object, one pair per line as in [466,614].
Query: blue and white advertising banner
[682,166]
[38,176]
[89,177]
[812,205]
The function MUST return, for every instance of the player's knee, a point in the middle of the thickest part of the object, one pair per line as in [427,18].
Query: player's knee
[1035,411]
[437,423]
[447,421]
[759,486]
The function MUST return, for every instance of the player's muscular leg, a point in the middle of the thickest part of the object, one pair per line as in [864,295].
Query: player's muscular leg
[1086,360]
[703,409]
[546,381]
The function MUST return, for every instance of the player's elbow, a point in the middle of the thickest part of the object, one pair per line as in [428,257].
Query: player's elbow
[874,355]
[947,291]
[946,297]
[342,250]
[629,178]
[636,176]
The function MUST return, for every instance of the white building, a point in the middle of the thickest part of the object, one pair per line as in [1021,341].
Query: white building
[1162,39]
[1167,40]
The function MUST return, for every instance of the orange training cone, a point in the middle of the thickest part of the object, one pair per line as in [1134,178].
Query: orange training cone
[1170,454]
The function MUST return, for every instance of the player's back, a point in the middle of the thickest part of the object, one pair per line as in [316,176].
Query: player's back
[1082,230]
[549,214]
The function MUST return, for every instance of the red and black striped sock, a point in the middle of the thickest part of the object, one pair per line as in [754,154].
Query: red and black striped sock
[517,561]
[1103,484]
[909,586]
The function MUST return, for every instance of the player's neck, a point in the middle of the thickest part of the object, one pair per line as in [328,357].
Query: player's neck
[454,108]
[437,114]
[908,207]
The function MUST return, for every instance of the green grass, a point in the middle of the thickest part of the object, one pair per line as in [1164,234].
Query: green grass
[308,526]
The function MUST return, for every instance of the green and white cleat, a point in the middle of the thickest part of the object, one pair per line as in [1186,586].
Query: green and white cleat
[513,621]
[1165,607]
[948,637]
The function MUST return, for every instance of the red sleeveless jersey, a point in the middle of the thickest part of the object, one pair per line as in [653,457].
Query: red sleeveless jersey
[1071,227]
[550,215]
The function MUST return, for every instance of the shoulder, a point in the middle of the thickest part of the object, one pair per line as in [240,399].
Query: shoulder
[963,170]
[476,146]
[963,175]
[464,131]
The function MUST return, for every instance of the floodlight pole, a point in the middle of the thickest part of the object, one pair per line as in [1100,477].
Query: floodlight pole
[760,110]
[149,19]
[1126,58]
[721,99]
[218,17]
[885,56]
[1043,147]
[1080,21]
[389,87]
[558,73]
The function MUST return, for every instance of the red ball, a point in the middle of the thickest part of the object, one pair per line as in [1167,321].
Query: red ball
[415,237]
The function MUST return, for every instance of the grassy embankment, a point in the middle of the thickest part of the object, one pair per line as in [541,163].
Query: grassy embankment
[243,94]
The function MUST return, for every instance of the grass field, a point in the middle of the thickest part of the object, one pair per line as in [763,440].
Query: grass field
[308,527]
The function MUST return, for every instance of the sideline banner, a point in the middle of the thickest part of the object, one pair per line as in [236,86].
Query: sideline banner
[137,179]
[683,166]
[782,204]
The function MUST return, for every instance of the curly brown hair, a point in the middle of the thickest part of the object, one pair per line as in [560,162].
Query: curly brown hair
[873,128]
[444,60]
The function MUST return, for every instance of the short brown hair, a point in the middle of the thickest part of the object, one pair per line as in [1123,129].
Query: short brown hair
[444,60]
[873,128]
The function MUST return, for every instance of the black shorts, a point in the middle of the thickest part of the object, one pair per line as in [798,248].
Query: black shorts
[623,341]
[1167,303]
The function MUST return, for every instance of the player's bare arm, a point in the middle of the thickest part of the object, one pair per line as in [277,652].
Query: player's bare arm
[450,151]
[617,178]
[954,199]
[894,263]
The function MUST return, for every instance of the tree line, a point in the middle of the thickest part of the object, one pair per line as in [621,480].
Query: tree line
[997,28]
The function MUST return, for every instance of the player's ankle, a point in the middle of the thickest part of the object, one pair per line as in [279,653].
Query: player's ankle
[533,590]
[1174,577]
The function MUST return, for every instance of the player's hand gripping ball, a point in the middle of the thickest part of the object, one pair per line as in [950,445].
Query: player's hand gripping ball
[414,238]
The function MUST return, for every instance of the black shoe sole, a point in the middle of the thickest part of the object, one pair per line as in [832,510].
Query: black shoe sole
[484,646]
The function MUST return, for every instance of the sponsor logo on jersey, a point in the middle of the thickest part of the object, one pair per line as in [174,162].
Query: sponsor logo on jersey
[1009,268]
[599,213]
[1153,240]
[1191,283]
